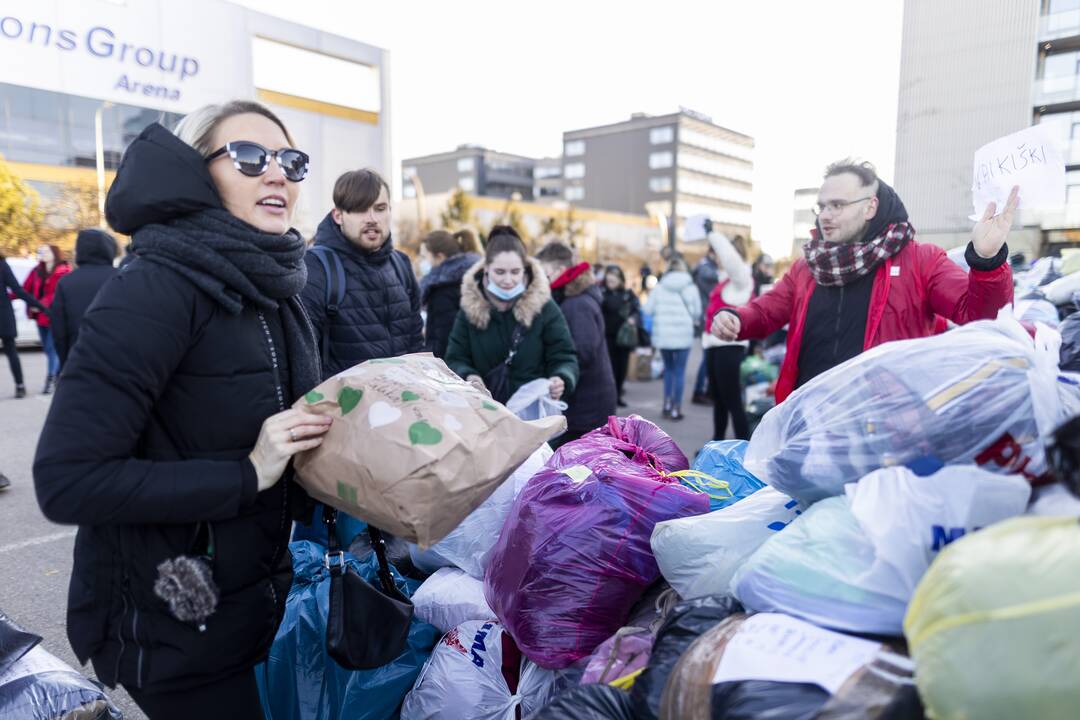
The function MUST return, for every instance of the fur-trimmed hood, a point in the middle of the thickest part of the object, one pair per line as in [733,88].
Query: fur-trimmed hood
[582,283]
[526,308]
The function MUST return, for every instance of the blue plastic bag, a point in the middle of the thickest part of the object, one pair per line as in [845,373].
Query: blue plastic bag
[723,460]
[300,681]
[348,528]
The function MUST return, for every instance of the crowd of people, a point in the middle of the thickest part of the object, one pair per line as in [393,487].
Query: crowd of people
[225,316]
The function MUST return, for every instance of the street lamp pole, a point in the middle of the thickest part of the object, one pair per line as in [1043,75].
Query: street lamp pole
[100,152]
[421,200]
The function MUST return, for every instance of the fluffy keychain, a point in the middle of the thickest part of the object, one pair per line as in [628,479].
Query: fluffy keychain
[186,583]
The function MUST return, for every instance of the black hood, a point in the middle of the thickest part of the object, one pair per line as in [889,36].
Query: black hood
[160,178]
[891,210]
[94,247]
[329,234]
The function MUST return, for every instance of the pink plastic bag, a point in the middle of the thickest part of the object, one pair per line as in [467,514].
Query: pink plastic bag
[574,555]
[621,654]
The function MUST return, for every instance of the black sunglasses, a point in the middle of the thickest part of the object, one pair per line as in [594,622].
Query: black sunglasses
[252,159]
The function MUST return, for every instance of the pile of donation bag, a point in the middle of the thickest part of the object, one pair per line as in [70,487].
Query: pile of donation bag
[893,542]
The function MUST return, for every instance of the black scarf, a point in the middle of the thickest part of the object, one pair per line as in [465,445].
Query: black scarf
[235,263]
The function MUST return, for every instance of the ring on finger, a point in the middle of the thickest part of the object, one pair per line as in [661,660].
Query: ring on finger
[292,435]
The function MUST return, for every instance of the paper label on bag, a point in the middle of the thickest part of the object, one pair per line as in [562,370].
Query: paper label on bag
[578,473]
[1029,158]
[776,647]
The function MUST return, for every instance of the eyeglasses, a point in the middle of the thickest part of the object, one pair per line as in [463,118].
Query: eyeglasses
[836,206]
[252,159]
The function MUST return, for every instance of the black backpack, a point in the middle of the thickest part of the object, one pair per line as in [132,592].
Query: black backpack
[336,283]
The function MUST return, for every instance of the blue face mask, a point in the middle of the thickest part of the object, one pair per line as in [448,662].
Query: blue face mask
[505,295]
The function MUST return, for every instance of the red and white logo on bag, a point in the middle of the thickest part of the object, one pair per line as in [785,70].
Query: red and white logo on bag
[453,641]
[1009,454]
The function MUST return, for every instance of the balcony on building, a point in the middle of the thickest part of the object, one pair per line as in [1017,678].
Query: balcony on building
[1060,22]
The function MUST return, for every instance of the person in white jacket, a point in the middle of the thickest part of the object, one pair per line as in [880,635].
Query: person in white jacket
[734,287]
[675,307]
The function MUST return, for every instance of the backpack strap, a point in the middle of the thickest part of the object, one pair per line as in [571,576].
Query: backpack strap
[335,291]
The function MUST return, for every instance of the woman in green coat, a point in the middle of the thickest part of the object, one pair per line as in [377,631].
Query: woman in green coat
[503,297]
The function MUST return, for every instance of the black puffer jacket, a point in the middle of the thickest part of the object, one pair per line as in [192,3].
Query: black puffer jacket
[380,314]
[148,435]
[440,293]
[95,251]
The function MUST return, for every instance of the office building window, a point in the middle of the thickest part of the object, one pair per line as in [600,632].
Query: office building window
[574,148]
[542,172]
[660,184]
[575,193]
[662,135]
[467,184]
[574,171]
[408,171]
[466,165]
[409,191]
[661,160]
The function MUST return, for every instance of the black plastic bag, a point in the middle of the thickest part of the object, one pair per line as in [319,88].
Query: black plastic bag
[589,702]
[14,642]
[38,686]
[1063,455]
[1070,343]
[883,689]
[687,621]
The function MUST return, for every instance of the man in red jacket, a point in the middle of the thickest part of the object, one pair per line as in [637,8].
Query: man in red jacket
[865,280]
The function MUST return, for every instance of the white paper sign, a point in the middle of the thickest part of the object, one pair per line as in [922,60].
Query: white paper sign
[772,646]
[694,229]
[1029,158]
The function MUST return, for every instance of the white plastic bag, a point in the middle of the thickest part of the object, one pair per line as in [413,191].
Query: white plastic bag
[463,679]
[982,394]
[853,562]
[698,555]
[468,545]
[909,519]
[449,598]
[1037,310]
[533,401]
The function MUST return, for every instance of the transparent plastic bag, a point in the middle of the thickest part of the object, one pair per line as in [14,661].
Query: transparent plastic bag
[982,394]
[533,401]
[574,555]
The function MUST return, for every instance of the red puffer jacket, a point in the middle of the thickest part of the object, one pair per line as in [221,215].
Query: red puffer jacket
[910,288]
[44,289]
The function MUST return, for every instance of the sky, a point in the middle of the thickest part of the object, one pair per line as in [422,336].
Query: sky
[812,82]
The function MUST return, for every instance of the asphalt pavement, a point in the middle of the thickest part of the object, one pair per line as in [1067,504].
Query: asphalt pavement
[36,554]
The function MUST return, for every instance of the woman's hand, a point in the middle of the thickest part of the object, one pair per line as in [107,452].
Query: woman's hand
[558,387]
[282,436]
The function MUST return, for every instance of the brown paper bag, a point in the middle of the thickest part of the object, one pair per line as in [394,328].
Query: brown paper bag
[413,449]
